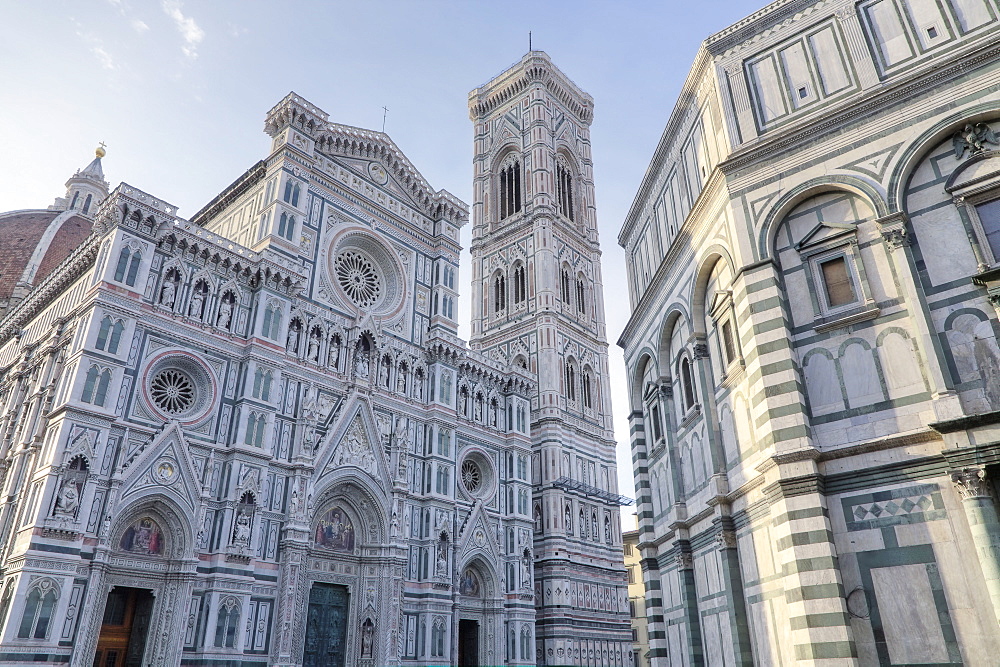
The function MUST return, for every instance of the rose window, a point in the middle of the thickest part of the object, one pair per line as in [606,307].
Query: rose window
[472,476]
[172,391]
[358,278]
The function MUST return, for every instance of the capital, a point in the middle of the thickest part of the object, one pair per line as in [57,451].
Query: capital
[971,483]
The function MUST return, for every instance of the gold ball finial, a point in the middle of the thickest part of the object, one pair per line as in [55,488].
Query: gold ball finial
[100,152]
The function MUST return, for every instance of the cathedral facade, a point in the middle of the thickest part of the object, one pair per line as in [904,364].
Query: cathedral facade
[254,438]
[814,271]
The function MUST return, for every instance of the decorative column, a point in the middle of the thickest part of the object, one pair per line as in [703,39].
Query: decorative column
[689,599]
[896,235]
[984,525]
[732,574]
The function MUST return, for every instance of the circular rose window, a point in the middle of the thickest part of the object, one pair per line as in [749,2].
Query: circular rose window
[472,476]
[179,387]
[358,278]
[366,272]
[172,391]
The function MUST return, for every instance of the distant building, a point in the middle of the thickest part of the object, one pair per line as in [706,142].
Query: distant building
[814,270]
[636,598]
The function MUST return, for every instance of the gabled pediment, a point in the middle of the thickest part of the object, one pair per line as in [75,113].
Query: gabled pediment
[164,466]
[353,443]
[825,231]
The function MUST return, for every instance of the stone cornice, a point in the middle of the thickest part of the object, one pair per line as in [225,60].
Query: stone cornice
[746,28]
[810,126]
[652,293]
[682,107]
[534,67]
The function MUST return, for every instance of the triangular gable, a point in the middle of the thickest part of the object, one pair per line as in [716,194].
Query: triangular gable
[824,231]
[354,444]
[476,537]
[165,466]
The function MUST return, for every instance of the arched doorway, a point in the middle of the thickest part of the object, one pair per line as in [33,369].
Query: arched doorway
[478,611]
[139,580]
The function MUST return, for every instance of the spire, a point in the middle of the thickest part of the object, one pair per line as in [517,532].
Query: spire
[94,170]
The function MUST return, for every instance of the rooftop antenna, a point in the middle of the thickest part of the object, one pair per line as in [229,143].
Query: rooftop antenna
[384,112]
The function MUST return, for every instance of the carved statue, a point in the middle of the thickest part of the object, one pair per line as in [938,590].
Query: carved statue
[69,500]
[197,307]
[314,347]
[366,640]
[465,403]
[526,571]
[293,339]
[225,314]
[241,536]
[169,293]
[401,381]
[972,137]
[361,364]
[442,560]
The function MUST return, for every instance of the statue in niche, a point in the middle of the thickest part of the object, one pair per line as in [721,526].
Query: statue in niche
[361,364]
[465,402]
[169,292]
[68,500]
[442,559]
[241,534]
[569,520]
[401,380]
[526,570]
[479,408]
[197,307]
[418,386]
[493,413]
[225,312]
[367,637]
[314,347]
[292,344]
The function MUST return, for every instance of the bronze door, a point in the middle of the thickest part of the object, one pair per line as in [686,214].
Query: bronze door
[326,626]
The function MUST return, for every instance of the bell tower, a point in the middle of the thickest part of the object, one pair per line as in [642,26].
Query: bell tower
[538,304]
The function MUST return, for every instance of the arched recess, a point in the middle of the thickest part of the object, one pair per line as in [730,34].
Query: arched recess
[787,202]
[675,321]
[488,578]
[710,258]
[365,505]
[640,372]
[912,155]
[176,531]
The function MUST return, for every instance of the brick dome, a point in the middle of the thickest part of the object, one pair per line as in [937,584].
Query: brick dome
[34,243]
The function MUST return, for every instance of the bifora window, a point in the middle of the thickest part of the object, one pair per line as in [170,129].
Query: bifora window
[510,189]
[837,281]
[564,191]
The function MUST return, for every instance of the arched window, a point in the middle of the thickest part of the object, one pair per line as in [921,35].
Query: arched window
[128,266]
[526,652]
[116,336]
[564,191]
[581,293]
[570,381]
[295,195]
[520,285]
[687,383]
[499,293]
[510,189]
[565,282]
[227,624]
[292,193]
[86,204]
[76,195]
[256,424]
[104,333]
[588,397]
[38,608]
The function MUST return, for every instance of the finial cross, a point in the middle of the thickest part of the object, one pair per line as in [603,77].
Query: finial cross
[102,144]
[385,111]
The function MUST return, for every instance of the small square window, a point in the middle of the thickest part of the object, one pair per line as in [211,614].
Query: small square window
[837,280]
[932,32]
[803,93]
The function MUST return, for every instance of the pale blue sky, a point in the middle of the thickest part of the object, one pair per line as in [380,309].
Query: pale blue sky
[179,92]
